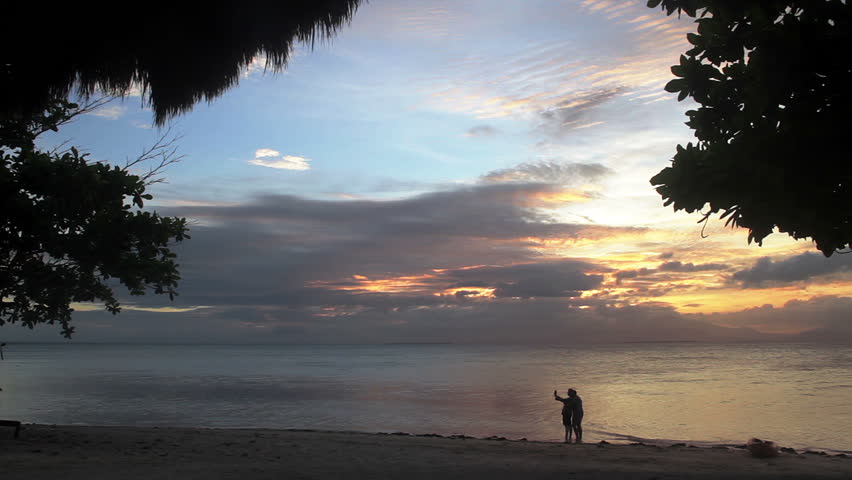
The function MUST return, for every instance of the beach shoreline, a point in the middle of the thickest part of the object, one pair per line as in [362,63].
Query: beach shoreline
[92,452]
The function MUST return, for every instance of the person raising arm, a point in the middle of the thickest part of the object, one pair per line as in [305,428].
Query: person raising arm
[566,416]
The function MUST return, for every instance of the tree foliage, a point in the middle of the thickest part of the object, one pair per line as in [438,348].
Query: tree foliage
[178,53]
[70,227]
[772,79]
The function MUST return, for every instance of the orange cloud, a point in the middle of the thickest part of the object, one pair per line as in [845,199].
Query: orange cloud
[469,292]
[400,284]
[555,198]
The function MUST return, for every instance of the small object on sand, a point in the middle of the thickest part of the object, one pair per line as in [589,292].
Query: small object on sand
[762,448]
[788,450]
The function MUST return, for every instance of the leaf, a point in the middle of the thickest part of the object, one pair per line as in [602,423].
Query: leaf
[675,85]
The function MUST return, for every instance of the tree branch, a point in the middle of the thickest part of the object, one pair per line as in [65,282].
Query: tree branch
[163,153]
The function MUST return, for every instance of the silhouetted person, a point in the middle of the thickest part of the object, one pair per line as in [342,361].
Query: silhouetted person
[572,414]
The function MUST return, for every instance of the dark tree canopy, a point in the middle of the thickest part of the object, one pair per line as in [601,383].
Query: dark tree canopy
[179,52]
[69,227]
[773,80]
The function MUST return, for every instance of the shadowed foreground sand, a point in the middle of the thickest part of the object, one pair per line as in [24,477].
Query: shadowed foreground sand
[47,452]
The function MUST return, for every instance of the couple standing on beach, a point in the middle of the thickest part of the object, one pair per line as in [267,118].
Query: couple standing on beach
[572,414]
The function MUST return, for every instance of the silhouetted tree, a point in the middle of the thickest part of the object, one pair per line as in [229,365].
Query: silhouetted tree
[178,53]
[772,79]
[69,226]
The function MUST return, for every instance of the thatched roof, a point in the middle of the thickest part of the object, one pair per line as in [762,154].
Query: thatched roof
[179,53]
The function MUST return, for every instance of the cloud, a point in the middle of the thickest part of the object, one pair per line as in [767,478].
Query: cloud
[287,162]
[564,173]
[818,318]
[792,269]
[622,274]
[690,267]
[453,265]
[490,211]
[631,49]
[546,321]
[481,131]
[110,112]
[556,278]
[292,252]
[669,268]
[572,113]
[266,157]
[420,21]
[266,152]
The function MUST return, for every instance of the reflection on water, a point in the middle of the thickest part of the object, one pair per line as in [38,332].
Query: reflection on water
[798,395]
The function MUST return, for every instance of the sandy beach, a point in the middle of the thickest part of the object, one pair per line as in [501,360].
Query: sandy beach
[84,452]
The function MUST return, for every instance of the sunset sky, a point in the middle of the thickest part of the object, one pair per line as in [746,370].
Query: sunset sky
[454,172]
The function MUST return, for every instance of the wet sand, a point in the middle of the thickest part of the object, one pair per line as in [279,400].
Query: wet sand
[88,453]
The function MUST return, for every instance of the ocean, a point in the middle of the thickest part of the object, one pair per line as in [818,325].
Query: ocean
[799,395]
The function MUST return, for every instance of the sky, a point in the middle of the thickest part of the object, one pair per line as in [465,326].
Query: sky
[469,172]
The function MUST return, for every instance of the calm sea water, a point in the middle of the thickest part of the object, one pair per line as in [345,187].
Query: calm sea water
[798,395]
